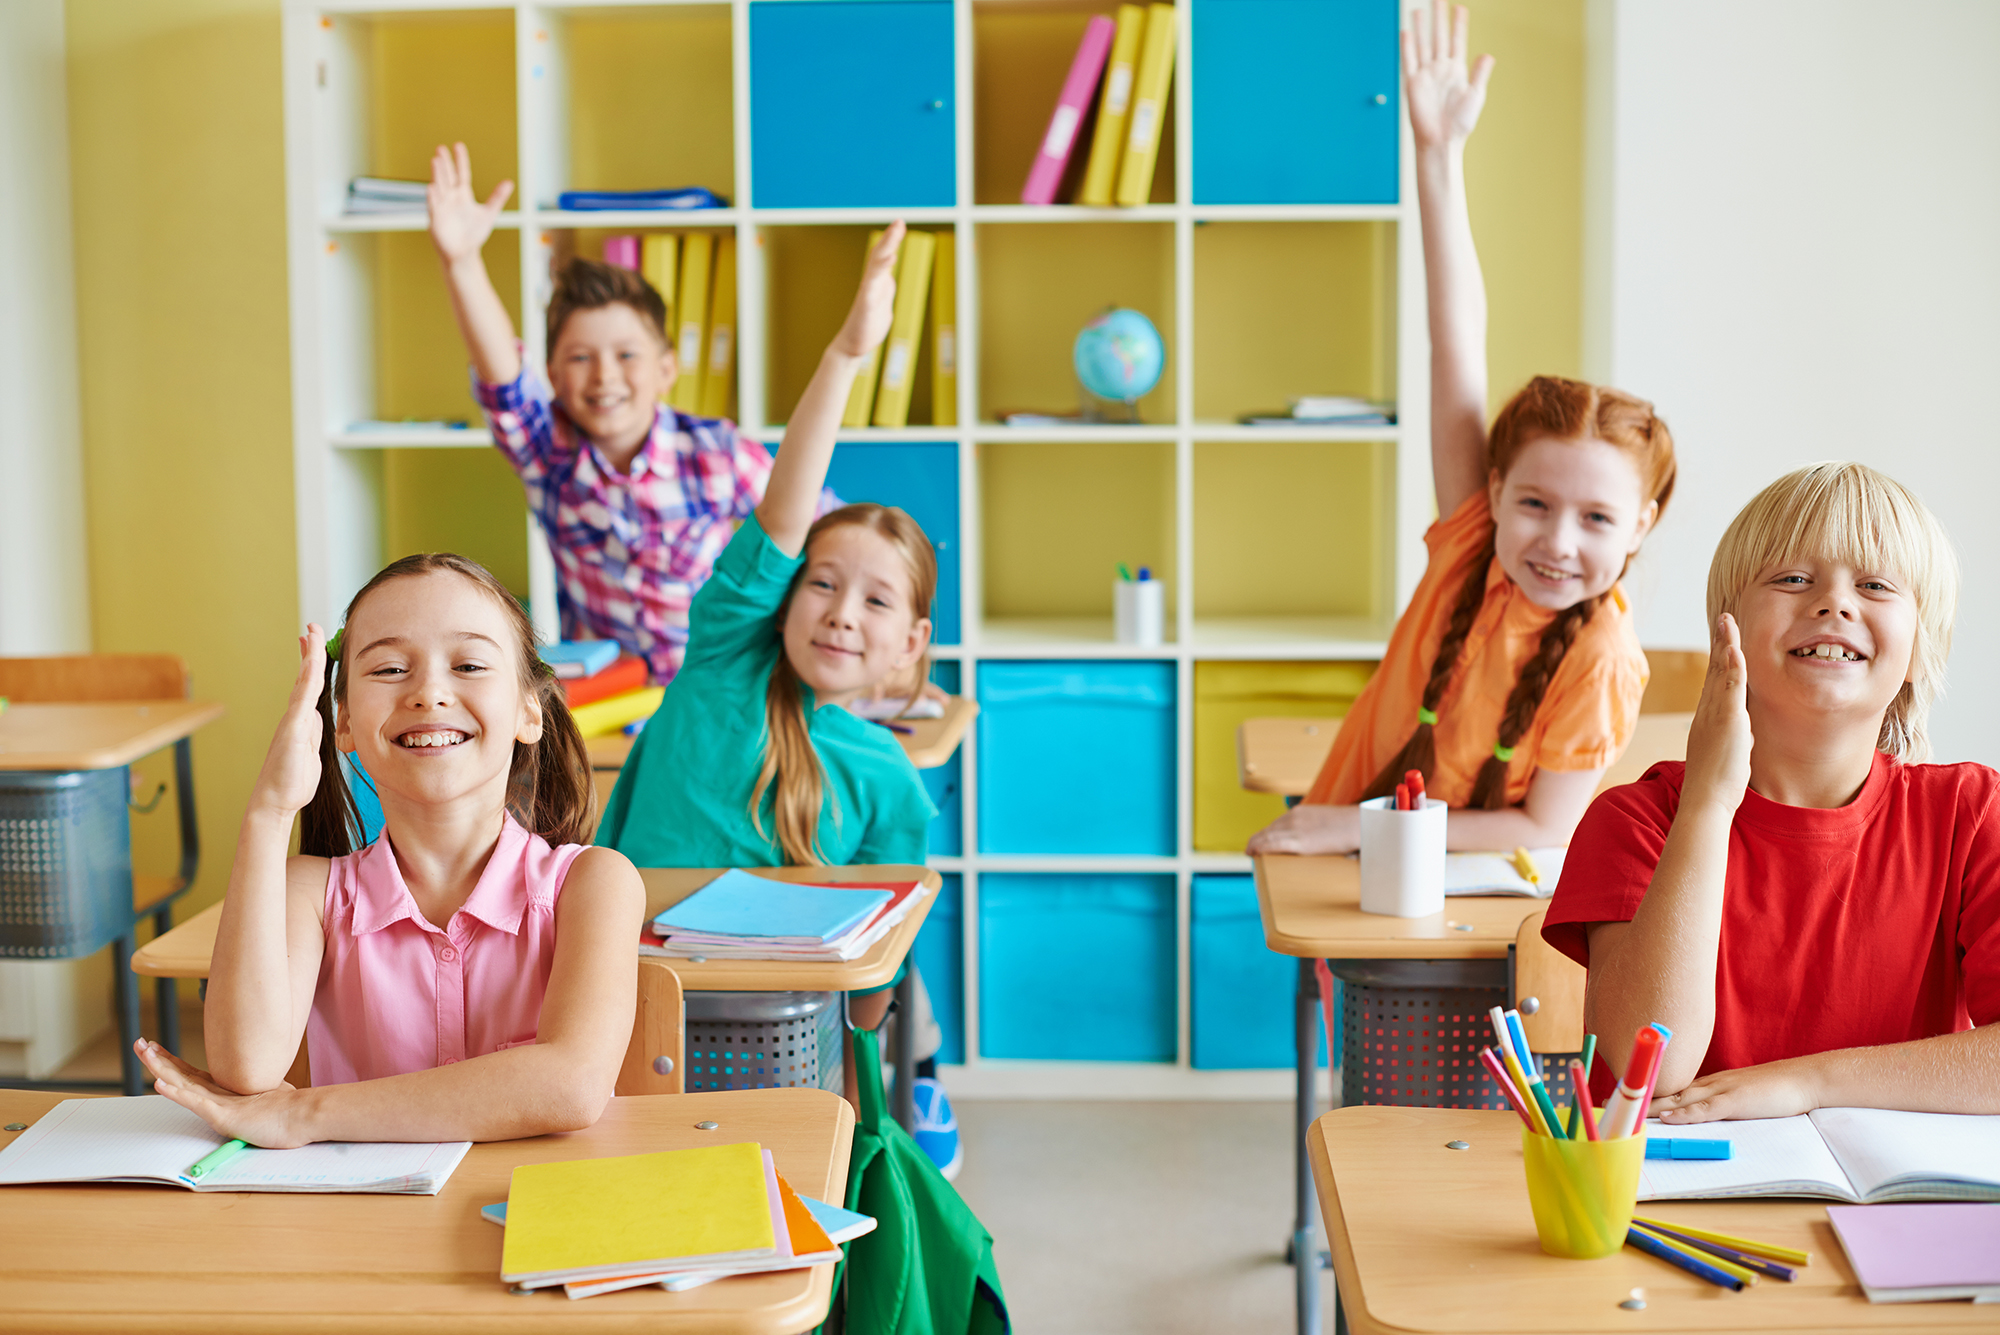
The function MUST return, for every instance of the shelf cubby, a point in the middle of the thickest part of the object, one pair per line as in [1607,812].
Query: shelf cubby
[1039,283]
[463,501]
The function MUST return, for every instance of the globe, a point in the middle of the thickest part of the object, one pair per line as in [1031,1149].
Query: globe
[1119,355]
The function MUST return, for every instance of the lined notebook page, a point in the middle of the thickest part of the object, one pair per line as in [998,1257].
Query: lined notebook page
[145,1139]
[1778,1156]
[1903,1155]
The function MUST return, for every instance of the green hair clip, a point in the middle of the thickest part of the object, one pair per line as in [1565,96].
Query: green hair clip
[1427,716]
[1502,753]
[333,645]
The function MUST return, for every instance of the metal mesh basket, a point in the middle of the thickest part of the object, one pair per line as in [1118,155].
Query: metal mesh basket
[65,862]
[1411,1033]
[763,1040]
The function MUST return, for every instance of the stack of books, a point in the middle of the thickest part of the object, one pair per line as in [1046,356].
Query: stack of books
[675,1219]
[1132,63]
[738,916]
[695,275]
[375,194]
[606,690]
[926,274]
[1328,410]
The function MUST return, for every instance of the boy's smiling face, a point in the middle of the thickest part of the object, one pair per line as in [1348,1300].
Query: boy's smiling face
[609,369]
[1826,643]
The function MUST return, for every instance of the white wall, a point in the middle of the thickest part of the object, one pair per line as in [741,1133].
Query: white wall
[1794,251]
[47,1008]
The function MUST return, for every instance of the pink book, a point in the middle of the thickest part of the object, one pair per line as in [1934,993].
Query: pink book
[1071,107]
[622,252]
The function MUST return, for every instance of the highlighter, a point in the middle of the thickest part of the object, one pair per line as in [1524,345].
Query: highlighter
[1625,1110]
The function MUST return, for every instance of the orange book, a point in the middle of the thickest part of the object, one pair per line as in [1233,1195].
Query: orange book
[626,673]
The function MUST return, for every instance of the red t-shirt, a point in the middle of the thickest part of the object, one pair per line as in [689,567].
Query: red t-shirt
[1876,922]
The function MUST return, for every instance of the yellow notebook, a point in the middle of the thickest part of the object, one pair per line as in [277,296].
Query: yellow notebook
[944,332]
[660,265]
[1149,103]
[862,397]
[1107,144]
[899,350]
[718,378]
[697,252]
[620,1215]
[600,717]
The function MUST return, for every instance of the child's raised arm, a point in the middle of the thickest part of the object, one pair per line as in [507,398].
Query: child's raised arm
[1445,102]
[460,225]
[269,942]
[792,496]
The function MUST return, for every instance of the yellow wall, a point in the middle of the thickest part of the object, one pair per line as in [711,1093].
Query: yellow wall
[177,161]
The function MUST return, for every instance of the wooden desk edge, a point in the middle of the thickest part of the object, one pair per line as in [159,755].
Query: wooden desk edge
[1467,947]
[1346,1279]
[198,714]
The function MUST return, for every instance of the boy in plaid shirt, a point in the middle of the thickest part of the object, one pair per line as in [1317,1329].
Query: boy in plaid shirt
[637,499]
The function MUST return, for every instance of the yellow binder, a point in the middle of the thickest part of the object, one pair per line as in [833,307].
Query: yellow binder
[944,332]
[1114,104]
[899,350]
[697,256]
[659,264]
[862,397]
[719,377]
[1149,103]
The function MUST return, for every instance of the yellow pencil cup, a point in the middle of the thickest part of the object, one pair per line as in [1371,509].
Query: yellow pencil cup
[1582,1191]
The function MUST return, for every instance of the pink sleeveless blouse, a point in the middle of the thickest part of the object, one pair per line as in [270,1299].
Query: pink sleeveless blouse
[397,994]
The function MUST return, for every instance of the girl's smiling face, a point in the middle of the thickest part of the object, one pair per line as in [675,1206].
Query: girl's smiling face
[1827,641]
[1566,517]
[434,700]
[852,621]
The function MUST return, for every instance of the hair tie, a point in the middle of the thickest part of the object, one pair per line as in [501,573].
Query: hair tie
[1502,753]
[333,645]
[1427,716]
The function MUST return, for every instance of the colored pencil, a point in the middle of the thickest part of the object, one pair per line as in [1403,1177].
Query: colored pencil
[1757,1263]
[1725,1265]
[1499,1074]
[1789,1255]
[1701,1269]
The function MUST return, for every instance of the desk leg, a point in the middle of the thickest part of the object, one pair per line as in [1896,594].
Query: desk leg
[126,989]
[1305,1248]
[906,1051]
[165,994]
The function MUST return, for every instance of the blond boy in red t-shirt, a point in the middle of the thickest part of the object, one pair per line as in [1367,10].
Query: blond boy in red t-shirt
[1815,915]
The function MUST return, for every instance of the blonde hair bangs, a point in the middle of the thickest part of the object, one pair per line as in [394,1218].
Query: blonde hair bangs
[1863,519]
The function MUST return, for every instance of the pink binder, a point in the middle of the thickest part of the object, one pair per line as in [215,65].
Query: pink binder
[1074,104]
[622,251]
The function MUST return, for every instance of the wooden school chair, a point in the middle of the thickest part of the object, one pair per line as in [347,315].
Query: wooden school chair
[653,1059]
[100,678]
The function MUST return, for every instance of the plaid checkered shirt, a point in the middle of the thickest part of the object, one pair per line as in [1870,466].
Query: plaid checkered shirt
[630,549]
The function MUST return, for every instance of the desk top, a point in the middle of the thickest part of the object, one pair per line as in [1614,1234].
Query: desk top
[1312,908]
[147,1258]
[928,743]
[1435,1240]
[184,952]
[95,736]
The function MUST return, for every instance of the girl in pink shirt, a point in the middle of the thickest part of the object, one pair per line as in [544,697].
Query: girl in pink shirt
[469,975]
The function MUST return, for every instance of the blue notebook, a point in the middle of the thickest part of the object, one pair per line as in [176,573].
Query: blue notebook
[581,658]
[737,904]
[686,197]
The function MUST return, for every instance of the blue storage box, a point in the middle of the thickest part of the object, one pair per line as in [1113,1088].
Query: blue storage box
[946,783]
[1076,757]
[1241,991]
[921,478]
[1077,967]
[852,104]
[939,954]
[1295,102]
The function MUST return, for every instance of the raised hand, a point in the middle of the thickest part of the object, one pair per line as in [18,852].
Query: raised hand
[1718,755]
[874,305]
[460,224]
[1445,100]
[291,767]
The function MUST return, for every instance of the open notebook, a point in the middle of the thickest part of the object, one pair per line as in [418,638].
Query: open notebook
[154,1139]
[1863,1155]
[1497,874]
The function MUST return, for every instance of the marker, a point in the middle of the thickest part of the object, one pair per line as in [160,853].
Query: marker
[1589,1054]
[1581,1110]
[217,1157]
[1145,573]
[1626,1109]
[1686,1147]
[1124,572]
[1536,1088]
[1402,797]
[1653,1246]
[903,728]
[1415,780]
[1526,866]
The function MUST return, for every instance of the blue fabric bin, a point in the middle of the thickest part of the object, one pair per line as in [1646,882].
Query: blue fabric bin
[920,478]
[946,783]
[1241,990]
[1076,757]
[1077,967]
[939,954]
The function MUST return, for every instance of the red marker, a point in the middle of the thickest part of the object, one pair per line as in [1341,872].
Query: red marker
[1402,798]
[1580,1082]
[1625,1111]
[1414,780]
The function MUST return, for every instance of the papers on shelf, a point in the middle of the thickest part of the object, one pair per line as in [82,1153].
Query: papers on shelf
[897,707]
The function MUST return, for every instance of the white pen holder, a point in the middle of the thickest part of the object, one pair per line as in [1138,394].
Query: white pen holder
[1139,611]
[1402,858]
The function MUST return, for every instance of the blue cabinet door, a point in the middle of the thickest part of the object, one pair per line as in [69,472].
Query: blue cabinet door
[921,478]
[1295,102]
[851,104]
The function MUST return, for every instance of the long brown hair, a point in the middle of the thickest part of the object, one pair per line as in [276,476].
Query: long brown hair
[791,771]
[1551,408]
[548,784]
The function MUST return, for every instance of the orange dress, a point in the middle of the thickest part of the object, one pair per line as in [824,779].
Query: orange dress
[1584,721]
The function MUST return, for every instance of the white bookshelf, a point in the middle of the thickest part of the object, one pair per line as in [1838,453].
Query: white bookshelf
[339,469]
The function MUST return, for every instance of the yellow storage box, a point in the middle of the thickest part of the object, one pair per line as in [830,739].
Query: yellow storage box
[1226,693]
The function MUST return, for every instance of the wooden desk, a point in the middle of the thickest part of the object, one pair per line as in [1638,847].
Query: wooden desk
[142,1258]
[929,743]
[1436,1240]
[95,736]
